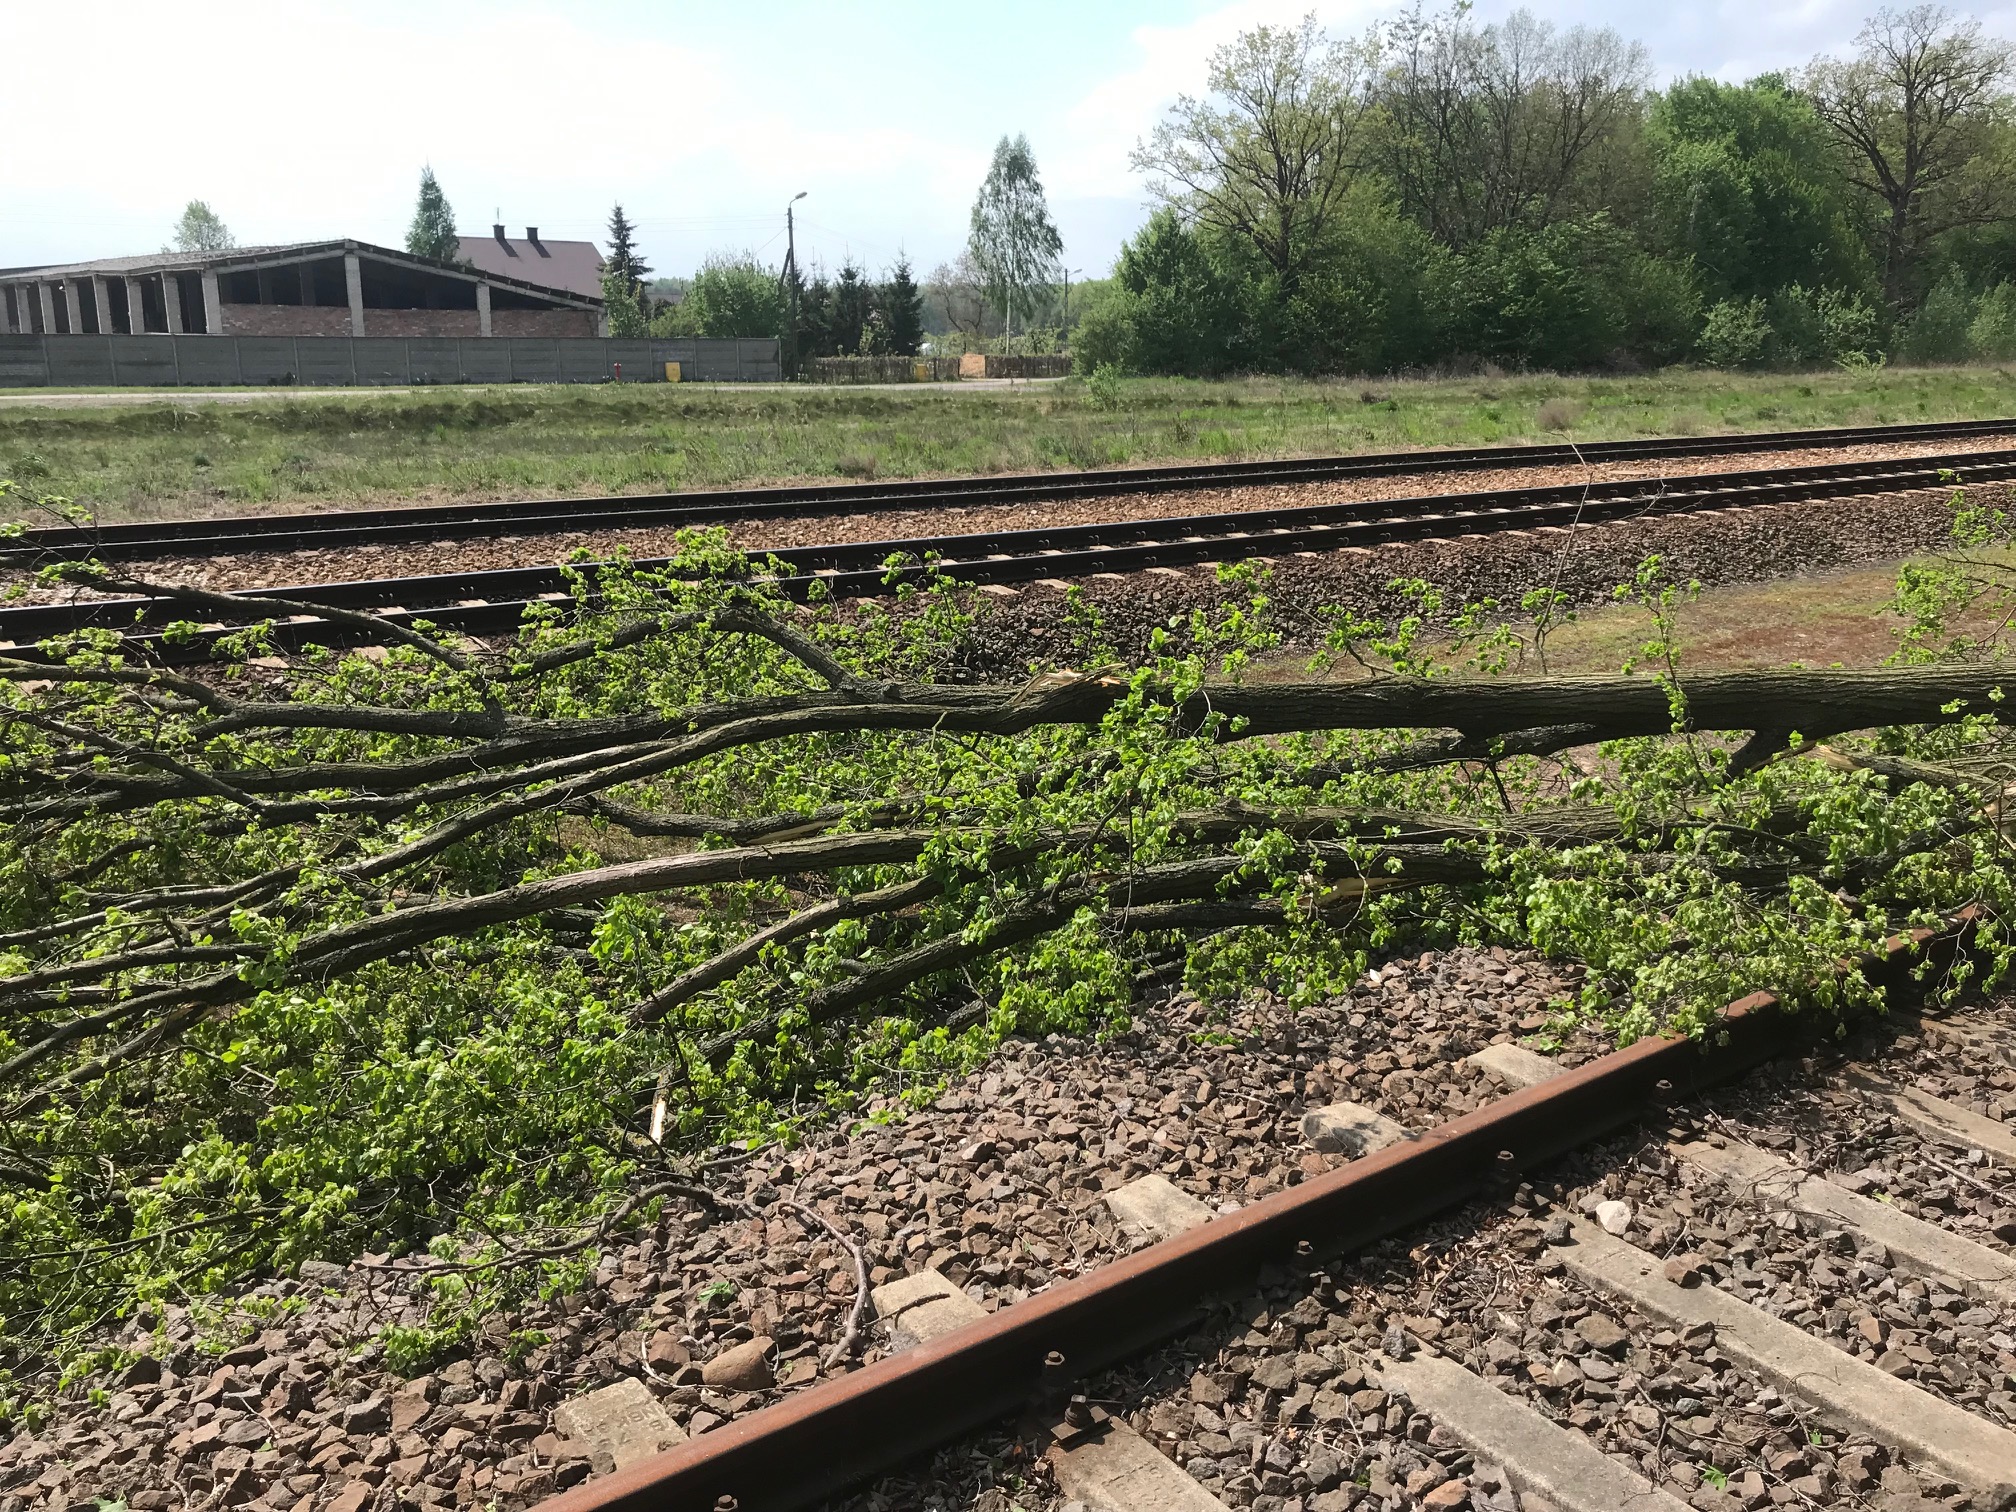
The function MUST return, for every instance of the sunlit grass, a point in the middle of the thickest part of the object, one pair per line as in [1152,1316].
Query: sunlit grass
[196,457]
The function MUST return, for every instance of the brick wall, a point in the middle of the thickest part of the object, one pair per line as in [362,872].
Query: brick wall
[286,320]
[420,322]
[334,320]
[540,322]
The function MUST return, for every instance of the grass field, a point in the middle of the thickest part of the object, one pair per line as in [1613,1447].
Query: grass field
[154,460]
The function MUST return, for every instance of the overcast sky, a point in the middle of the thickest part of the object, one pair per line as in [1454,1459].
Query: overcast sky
[311,119]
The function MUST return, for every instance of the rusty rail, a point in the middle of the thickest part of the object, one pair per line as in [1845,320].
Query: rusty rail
[828,1438]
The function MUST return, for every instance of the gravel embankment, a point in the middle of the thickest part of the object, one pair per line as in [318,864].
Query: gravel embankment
[1586,564]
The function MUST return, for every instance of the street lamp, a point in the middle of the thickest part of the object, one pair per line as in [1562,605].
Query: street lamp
[1067,300]
[791,274]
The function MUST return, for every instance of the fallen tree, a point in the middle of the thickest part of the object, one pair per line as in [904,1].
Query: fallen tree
[450,941]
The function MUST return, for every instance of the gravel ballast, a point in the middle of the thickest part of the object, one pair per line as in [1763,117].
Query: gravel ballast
[280,1403]
[270,569]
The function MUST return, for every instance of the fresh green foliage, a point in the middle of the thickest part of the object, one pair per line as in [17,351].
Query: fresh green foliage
[1013,241]
[735,295]
[1377,204]
[626,316]
[432,233]
[471,953]
[200,229]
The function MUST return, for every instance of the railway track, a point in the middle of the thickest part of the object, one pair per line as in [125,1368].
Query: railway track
[494,602]
[1644,1346]
[350,528]
[1191,1230]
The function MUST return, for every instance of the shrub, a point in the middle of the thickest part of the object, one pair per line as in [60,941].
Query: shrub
[1939,331]
[1737,334]
[1993,332]
[735,295]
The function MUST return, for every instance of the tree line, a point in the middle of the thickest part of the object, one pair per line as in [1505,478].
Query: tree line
[1005,280]
[1439,192]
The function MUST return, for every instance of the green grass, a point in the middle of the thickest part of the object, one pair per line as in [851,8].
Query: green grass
[152,460]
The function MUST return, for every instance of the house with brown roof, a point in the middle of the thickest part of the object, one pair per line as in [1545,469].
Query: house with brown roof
[572,265]
[329,288]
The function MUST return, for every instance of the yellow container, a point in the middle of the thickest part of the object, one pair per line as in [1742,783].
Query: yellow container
[671,372]
[920,372]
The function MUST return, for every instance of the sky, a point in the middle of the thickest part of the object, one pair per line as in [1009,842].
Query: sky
[312,119]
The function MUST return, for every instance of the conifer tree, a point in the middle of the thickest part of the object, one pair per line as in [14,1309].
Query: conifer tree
[623,261]
[432,233]
[903,309]
[851,304]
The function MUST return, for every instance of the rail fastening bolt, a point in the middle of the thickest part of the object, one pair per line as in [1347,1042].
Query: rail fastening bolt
[726,1504]
[1078,1413]
[1054,1360]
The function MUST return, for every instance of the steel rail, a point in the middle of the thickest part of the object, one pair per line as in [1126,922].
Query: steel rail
[429,522]
[826,1439]
[494,601]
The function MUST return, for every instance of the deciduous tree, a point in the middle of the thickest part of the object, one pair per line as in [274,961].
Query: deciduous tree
[1922,110]
[1013,241]
[735,295]
[201,229]
[1266,155]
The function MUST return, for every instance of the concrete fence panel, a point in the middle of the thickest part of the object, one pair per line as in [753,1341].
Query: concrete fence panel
[231,361]
[82,362]
[534,360]
[325,361]
[144,361]
[486,361]
[24,362]
[268,359]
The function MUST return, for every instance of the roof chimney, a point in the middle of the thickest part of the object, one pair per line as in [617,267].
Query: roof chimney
[532,236]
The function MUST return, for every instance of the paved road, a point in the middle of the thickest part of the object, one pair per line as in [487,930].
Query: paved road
[56,399]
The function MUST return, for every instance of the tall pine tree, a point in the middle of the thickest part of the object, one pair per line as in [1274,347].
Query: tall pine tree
[623,261]
[851,303]
[903,309]
[432,233]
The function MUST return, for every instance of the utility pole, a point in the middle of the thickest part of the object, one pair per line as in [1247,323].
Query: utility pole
[1066,333]
[791,282]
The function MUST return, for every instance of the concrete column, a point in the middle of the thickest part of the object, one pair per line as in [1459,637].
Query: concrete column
[136,309]
[264,278]
[73,305]
[213,305]
[48,296]
[601,322]
[101,296]
[307,275]
[171,302]
[482,309]
[7,325]
[353,280]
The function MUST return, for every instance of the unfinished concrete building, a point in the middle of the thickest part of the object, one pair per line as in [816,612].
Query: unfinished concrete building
[333,288]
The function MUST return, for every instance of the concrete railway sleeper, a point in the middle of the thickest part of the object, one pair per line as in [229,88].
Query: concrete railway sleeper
[1322,1384]
[494,601]
[345,528]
